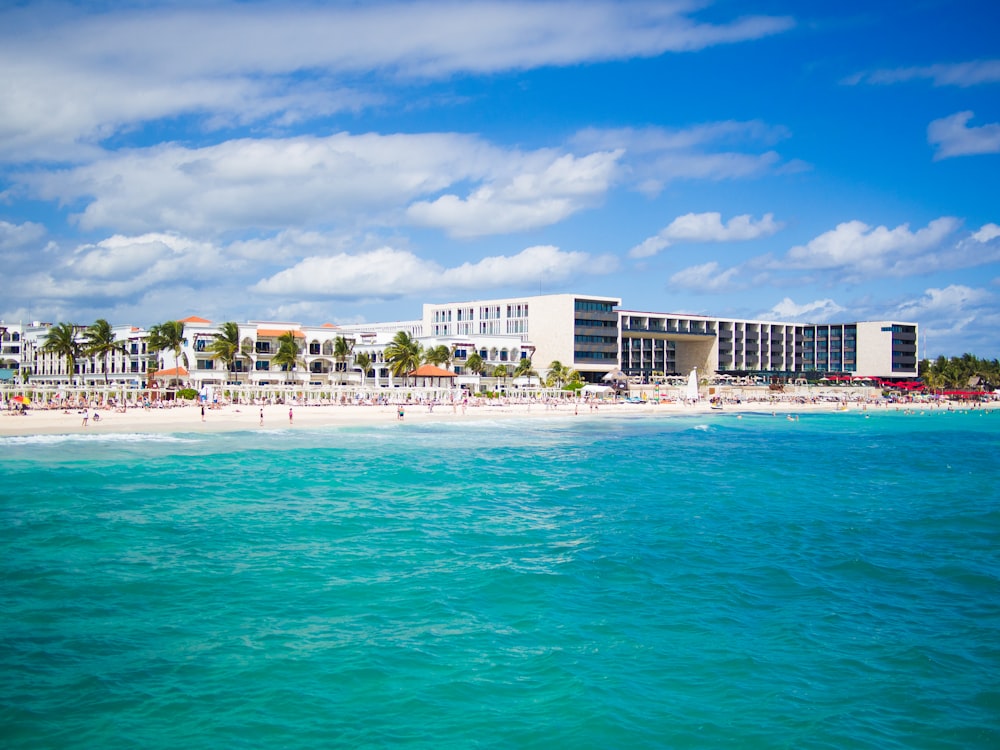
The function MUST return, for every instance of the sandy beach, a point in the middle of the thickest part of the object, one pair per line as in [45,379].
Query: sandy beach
[232,417]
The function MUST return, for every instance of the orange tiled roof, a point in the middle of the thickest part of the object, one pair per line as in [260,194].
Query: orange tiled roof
[195,319]
[431,371]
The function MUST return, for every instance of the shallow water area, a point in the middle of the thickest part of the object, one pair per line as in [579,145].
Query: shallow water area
[698,581]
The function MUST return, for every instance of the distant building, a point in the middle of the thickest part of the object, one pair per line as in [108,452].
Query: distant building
[663,344]
[586,333]
[578,331]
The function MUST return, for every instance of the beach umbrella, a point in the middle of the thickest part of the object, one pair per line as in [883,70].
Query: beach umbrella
[22,400]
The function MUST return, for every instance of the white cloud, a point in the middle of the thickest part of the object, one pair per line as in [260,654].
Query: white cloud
[706,227]
[862,252]
[388,272]
[953,137]
[986,233]
[950,301]
[727,150]
[953,320]
[526,201]
[368,178]
[72,77]
[964,74]
[16,236]
[817,311]
[124,265]
[707,277]
[111,276]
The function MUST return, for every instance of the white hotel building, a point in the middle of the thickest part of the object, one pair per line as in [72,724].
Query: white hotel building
[585,332]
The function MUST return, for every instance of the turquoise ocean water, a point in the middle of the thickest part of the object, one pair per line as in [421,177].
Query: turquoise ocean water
[686,582]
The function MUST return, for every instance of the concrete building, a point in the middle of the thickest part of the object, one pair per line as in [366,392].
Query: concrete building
[578,331]
[664,344]
[583,332]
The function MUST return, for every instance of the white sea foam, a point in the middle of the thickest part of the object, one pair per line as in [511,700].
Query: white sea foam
[111,437]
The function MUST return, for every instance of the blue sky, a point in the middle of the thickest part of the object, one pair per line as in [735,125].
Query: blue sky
[346,162]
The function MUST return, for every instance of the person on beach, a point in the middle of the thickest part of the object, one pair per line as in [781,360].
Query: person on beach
[203,412]
[262,416]
[86,417]
[289,415]
[400,413]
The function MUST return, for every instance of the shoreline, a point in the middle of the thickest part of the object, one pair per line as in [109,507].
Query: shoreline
[246,417]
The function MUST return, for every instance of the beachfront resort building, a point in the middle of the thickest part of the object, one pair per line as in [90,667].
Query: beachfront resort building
[586,333]
[656,344]
[578,331]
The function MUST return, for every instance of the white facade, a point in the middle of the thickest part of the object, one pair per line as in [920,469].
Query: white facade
[662,344]
[578,331]
[585,333]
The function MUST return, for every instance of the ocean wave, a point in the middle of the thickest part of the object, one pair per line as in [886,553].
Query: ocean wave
[91,439]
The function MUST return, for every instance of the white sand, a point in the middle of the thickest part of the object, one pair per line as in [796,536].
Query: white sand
[247,417]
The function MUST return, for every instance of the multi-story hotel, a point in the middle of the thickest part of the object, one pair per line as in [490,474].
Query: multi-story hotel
[578,331]
[657,343]
[583,332]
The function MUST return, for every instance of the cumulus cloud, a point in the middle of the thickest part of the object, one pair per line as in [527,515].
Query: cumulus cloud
[388,272]
[986,233]
[116,272]
[852,253]
[727,150]
[527,200]
[707,277]
[948,301]
[706,227]
[954,137]
[817,311]
[23,247]
[368,178]
[62,91]
[134,274]
[123,265]
[860,251]
[965,74]
[953,319]
[13,236]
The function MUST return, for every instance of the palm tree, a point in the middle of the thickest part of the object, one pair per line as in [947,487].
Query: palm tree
[341,352]
[556,374]
[438,355]
[500,372]
[475,364]
[169,335]
[288,354]
[524,369]
[61,341]
[559,374]
[225,344]
[363,361]
[403,354]
[99,341]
